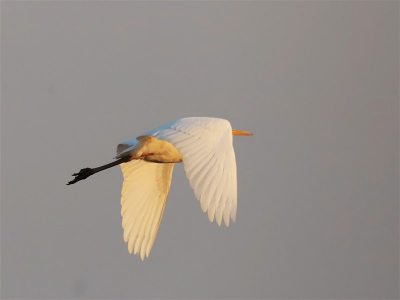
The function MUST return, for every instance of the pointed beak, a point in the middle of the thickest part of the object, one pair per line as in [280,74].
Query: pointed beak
[239,132]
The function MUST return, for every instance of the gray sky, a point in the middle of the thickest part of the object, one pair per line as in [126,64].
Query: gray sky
[317,84]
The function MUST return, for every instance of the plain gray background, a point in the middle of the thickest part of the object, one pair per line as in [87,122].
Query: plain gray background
[317,84]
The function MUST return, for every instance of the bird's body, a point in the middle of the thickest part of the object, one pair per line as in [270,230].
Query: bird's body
[151,149]
[204,145]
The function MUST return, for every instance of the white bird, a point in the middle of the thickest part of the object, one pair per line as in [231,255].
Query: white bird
[204,145]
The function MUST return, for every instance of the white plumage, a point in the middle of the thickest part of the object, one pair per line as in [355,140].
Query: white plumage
[204,145]
[144,194]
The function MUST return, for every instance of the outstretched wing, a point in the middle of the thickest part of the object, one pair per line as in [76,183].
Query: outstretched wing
[209,160]
[144,194]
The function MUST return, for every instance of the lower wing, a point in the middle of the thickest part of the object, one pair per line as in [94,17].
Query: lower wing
[144,195]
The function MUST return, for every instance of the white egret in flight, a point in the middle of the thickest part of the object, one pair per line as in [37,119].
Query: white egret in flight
[204,145]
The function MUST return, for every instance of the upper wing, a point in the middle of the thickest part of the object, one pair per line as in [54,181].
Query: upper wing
[144,194]
[208,158]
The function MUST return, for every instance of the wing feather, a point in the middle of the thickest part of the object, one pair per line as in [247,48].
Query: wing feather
[201,180]
[143,197]
[211,192]
[201,148]
[209,161]
[213,200]
[207,185]
[220,205]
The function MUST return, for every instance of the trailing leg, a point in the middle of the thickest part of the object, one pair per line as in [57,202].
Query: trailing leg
[86,172]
